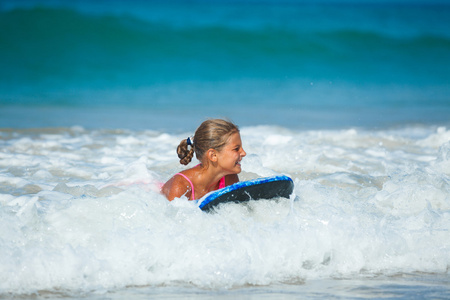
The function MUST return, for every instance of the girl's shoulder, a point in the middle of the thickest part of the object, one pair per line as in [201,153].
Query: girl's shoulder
[177,186]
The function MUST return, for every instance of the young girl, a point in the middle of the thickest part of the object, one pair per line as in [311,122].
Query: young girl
[217,145]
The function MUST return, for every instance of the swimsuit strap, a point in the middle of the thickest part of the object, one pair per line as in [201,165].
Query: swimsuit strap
[190,182]
[222,182]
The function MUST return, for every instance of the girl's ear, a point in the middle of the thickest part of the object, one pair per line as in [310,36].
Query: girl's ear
[211,154]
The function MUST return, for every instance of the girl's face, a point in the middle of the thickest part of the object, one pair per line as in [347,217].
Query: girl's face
[229,158]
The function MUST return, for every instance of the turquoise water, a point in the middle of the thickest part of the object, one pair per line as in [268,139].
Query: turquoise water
[298,64]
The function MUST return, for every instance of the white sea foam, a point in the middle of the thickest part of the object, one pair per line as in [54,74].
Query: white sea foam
[80,210]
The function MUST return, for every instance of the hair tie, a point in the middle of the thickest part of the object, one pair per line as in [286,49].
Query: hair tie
[190,141]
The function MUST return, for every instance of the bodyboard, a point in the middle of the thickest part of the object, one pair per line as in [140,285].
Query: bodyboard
[255,189]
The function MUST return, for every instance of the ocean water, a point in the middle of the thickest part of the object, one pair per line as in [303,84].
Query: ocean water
[349,99]
[81,216]
[166,65]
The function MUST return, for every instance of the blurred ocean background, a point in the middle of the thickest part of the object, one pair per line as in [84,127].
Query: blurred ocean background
[171,64]
[349,98]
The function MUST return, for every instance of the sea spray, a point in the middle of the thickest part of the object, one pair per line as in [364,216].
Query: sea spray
[81,212]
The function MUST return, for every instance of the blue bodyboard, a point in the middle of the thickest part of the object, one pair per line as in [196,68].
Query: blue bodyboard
[255,189]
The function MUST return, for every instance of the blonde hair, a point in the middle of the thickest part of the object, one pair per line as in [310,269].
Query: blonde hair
[211,134]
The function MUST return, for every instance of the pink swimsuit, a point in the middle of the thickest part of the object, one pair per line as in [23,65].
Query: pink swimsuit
[221,184]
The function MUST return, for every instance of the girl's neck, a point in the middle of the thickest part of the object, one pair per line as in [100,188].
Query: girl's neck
[209,177]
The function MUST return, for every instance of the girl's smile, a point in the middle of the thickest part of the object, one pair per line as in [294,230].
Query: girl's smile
[230,157]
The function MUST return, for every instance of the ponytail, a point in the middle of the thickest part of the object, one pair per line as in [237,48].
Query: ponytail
[184,153]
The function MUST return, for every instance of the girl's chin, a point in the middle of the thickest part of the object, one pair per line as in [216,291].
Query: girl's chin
[235,170]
